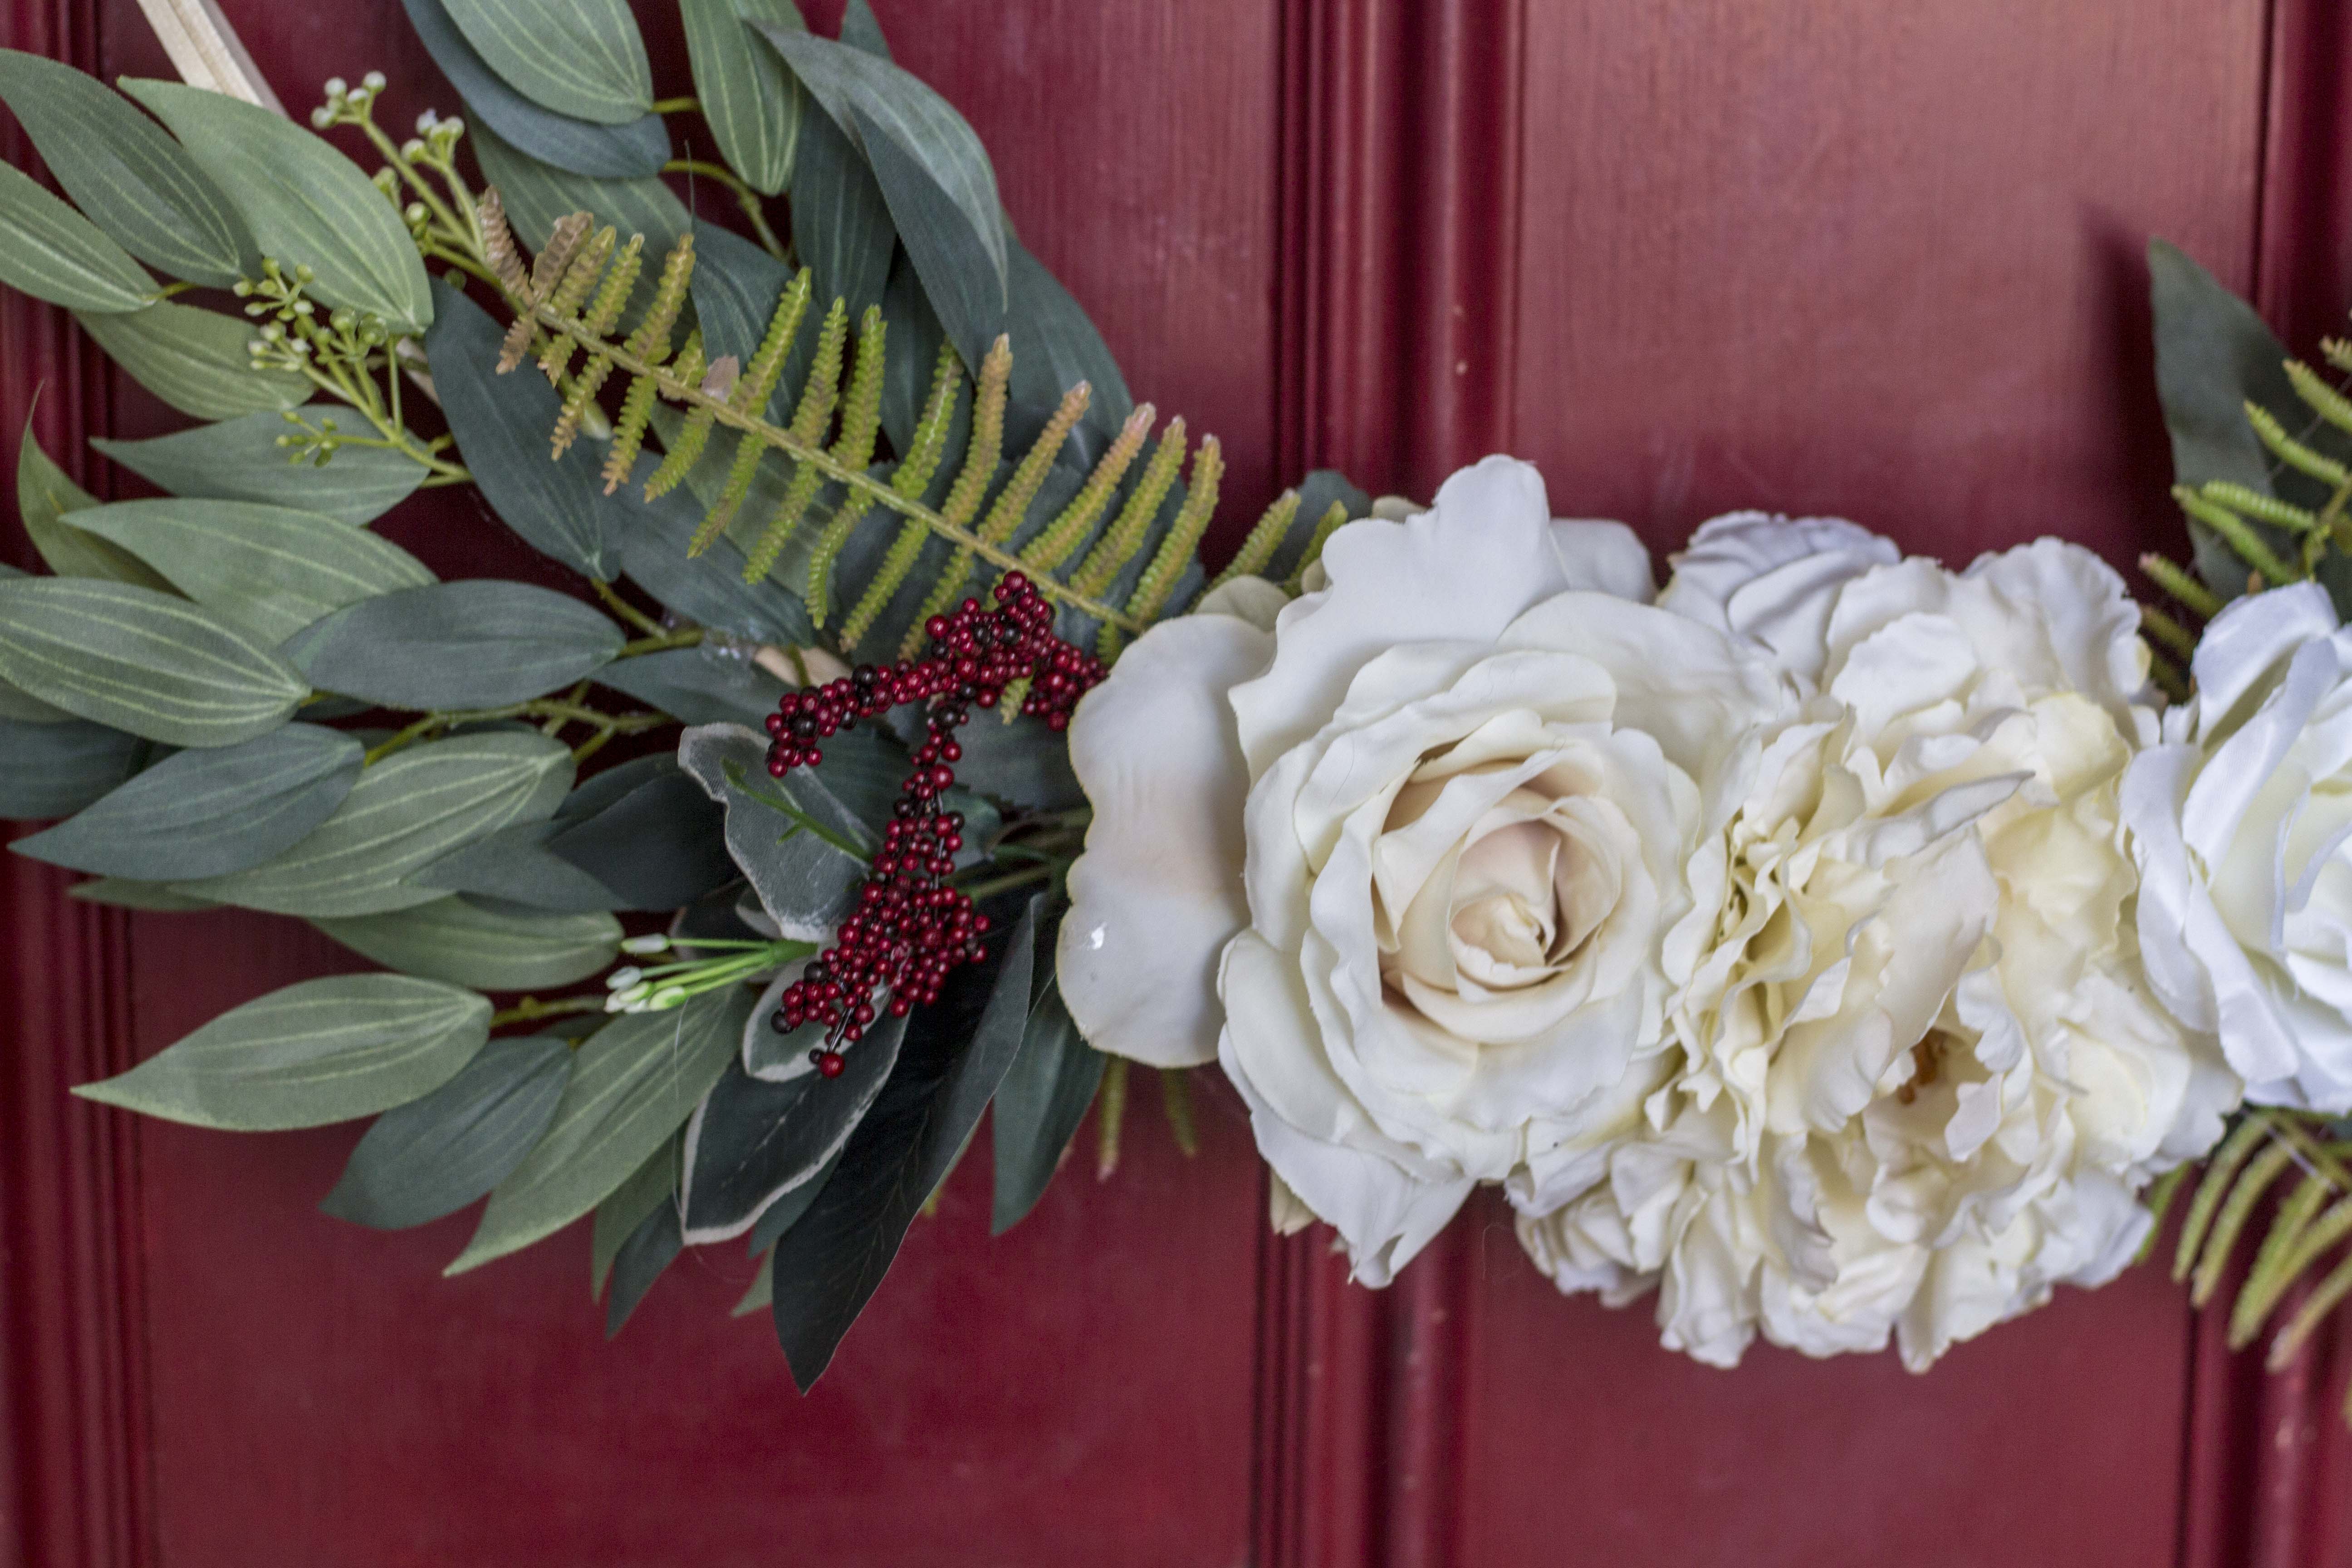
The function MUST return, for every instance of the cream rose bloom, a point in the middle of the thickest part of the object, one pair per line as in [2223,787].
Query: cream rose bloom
[2241,821]
[1923,1077]
[1446,832]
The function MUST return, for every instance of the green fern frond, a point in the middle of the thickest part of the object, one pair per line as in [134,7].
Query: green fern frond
[2191,593]
[2220,1169]
[925,448]
[610,297]
[571,295]
[861,421]
[811,419]
[1182,542]
[1324,527]
[2292,452]
[2263,1169]
[694,434]
[750,393]
[2268,1279]
[2161,628]
[1071,525]
[982,459]
[563,242]
[2325,400]
[1029,473]
[2253,503]
[2234,533]
[1124,539]
[649,342]
[2317,1307]
[1263,540]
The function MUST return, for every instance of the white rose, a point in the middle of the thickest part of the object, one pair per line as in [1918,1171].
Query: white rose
[1435,833]
[2241,822]
[1923,1076]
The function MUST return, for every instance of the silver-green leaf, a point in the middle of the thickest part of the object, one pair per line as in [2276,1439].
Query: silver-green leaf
[141,661]
[271,569]
[240,459]
[209,812]
[634,1083]
[466,943]
[580,58]
[196,360]
[53,253]
[433,1156]
[324,1050]
[405,812]
[750,102]
[637,147]
[476,644]
[55,769]
[306,204]
[44,498]
[126,174]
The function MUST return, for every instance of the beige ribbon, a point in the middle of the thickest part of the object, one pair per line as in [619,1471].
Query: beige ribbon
[205,50]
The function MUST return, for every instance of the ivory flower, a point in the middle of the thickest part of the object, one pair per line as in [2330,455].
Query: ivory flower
[1924,1077]
[2241,820]
[1448,835]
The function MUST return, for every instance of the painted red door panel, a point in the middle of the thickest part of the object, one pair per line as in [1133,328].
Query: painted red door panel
[1810,255]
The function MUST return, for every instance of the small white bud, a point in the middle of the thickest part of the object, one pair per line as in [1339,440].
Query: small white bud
[373,81]
[336,88]
[320,119]
[627,997]
[426,122]
[412,149]
[641,945]
[360,98]
[623,978]
[413,212]
[665,998]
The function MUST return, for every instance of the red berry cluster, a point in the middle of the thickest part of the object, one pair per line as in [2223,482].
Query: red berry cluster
[910,928]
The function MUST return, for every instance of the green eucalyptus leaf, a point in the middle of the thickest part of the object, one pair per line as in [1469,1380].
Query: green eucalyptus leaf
[124,893]
[622,1209]
[861,30]
[697,685]
[752,1142]
[1044,1098]
[433,1156]
[466,943]
[53,253]
[240,459]
[306,205]
[652,1248]
[324,1050]
[45,497]
[631,148]
[634,1083]
[841,224]
[477,644]
[829,1264]
[271,569]
[141,661]
[660,845]
[209,812]
[196,360]
[55,769]
[708,589]
[23,708]
[805,879]
[515,866]
[964,284]
[750,102]
[579,58]
[121,169]
[407,811]
[558,508]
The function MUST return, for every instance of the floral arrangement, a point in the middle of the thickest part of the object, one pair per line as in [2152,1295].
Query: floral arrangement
[1843,947]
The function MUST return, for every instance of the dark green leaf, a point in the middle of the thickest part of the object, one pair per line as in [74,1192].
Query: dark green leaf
[652,1248]
[53,253]
[44,498]
[1055,347]
[805,878]
[196,360]
[909,355]
[633,148]
[840,224]
[406,811]
[141,661]
[476,644]
[783,1214]
[1044,1098]
[209,812]
[634,1083]
[558,508]
[580,58]
[964,281]
[654,1183]
[55,769]
[829,1264]
[240,459]
[122,893]
[697,685]
[751,103]
[1022,763]
[433,1156]
[466,943]
[861,30]
[752,1142]
[515,864]
[736,286]
[306,204]
[132,180]
[537,194]
[708,589]
[324,1050]
[270,568]
[661,845]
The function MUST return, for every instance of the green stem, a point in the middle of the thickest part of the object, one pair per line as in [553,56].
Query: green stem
[625,610]
[745,197]
[776,803]
[688,105]
[532,1007]
[684,636]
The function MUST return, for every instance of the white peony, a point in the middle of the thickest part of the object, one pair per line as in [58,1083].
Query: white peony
[1447,834]
[2241,820]
[1923,1077]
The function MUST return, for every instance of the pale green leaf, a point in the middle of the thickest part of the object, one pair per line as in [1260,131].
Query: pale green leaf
[407,810]
[240,459]
[131,179]
[306,204]
[141,661]
[490,949]
[750,102]
[53,253]
[476,644]
[324,1050]
[45,496]
[269,568]
[199,362]
[634,1084]
[580,58]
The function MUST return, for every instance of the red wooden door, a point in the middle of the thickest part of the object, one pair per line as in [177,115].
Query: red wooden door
[1809,255]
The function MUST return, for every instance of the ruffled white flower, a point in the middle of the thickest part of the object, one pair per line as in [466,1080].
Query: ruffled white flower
[2241,821]
[1437,832]
[1924,1077]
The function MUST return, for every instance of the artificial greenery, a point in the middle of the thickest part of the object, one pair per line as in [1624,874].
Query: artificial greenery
[757,449]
